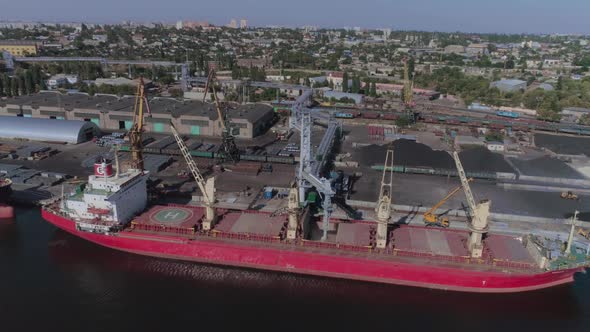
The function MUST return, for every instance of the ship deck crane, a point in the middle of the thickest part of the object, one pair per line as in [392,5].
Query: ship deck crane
[136,131]
[228,149]
[430,217]
[383,209]
[207,187]
[479,212]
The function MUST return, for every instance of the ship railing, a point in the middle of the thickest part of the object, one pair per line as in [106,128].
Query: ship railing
[465,259]
[161,228]
[518,265]
[246,236]
[330,245]
[456,259]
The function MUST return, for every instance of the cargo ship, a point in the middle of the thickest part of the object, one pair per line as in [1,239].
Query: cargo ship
[6,211]
[112,210]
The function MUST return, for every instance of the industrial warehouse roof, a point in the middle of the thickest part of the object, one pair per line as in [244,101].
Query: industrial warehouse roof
[69,131]
[158,105]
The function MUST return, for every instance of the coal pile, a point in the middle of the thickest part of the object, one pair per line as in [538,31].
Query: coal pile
[413,154]
[564,144]
[480,159]
[406,153]
[546,167]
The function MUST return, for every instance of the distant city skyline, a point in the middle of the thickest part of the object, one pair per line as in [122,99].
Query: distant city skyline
[500,16]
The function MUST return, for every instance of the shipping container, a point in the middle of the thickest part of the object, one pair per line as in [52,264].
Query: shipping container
[370,115]
[280,160]
[508,114]
[202,154]
[344,115]
[252,157]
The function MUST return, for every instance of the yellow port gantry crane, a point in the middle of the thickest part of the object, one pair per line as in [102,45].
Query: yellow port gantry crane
[408,94]
[207,187]
[432,219]
[136,131]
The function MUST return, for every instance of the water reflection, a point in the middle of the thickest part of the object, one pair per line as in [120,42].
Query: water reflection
[242,286]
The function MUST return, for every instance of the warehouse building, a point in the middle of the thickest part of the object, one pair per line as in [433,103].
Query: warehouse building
[111,113]
[47,130]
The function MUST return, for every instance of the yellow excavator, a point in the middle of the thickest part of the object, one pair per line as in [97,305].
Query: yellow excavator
[430,217]
[584,233]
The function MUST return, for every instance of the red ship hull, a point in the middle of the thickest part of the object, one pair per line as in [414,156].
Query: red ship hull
[220,252]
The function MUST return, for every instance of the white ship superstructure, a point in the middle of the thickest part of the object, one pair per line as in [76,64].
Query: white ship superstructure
[107,199]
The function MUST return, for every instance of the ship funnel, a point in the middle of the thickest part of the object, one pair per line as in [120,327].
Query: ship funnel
[103,167]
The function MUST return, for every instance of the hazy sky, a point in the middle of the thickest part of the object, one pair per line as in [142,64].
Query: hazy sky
[528,16]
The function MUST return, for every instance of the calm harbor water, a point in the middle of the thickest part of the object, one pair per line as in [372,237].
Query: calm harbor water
[52,281]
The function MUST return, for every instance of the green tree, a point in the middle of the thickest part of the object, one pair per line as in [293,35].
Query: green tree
[411,67]
[367,87]
[532,99]
[13,86]
[345,82]
[585,120]
[373,91]
[42,85]
[21,84]
[559,85]
[549,108]
[356,84]
[402,121]
[176,93]
[29,83]
[6,85]
[494,136]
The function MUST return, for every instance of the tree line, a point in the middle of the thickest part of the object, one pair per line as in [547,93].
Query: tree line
[370,87]
[24,82]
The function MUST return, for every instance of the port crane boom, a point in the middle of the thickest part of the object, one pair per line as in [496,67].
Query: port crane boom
[479,213]
[464,183]
[136,131]
[383,209]
[207,187]
[229,149]
[430,218]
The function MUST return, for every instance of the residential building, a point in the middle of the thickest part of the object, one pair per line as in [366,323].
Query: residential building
[19,47]
[243,24]
[253,62]
[495,146]
[335,78]
[457,49]
[61,79]
[551,63]
[120,81]
[477,49]
[315,81]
